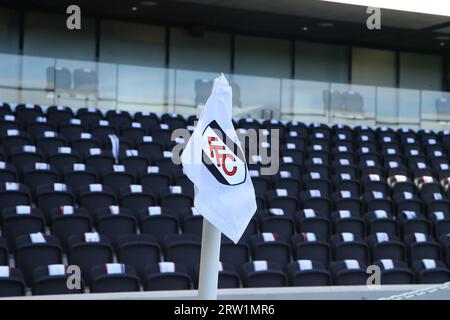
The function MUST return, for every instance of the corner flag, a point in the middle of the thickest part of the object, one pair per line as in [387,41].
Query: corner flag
[224,194]
[213,160]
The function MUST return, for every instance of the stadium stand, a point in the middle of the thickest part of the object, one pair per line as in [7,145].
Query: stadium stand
[344,198]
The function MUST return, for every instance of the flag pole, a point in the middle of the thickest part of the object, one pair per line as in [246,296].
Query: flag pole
[209,262]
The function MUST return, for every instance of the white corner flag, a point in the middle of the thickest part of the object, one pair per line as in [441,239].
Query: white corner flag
[213,160]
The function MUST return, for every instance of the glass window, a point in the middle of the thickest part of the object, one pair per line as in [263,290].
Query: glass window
[131,43]
[321,62]
[420,71]
[262,57]
[9,31]
[373,67]
[208,52]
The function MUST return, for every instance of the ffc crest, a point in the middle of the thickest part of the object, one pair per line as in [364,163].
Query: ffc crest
[222,157]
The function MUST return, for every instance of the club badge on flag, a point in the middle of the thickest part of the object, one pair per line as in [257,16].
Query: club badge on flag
[213,160]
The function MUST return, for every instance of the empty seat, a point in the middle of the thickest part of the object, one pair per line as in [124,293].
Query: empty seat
[114,277]
[117,177]
[38,126]
[79,175]
[53,196]
[14,138]
[99,158]
[272,247]
[115,221]
[184,249]
[88,250]
[431,271]
[71,129]
[175,199]
[134,132]
[228,277]
[63,157]
[119,118]
[262,273]
[135,161]
[154,179]
[59,114]
[381,221]
[275,220]
[349,246]
[13,194]
[53,279]
[148,147]
[166,276]
[158,222]
[191,221]
[394,272]
[89,116]
[39,174]
[310,221]
[35,250]
[25,155]
[102,129]
[348,221]
[349,272]
[385,246]
[84,142]
[280,198]
[8,172]
[12,282]
[422,246]
[136,198]
[67,221]
[95,196]
[309,246]
[27,112]
[308,273]
[414,222]
[138,251]
[313,199]
[235,254]
[21,220]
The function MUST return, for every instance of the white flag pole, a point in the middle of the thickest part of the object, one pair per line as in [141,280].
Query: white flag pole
[209,262]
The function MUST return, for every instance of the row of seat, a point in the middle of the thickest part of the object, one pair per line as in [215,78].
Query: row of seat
[116,277]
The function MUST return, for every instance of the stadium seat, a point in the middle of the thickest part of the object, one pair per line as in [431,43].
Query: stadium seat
[21,220]
[308,273]
[272,247]
[53,279]
[394,272]
[114,277]
[349,272]
[12,282]
[166,276]
[88,250]
[183,249]
[431,271]
[309,246]
[115,221]
[262,273]
[158,222]
[67,221]
[138,251]
[35,250]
